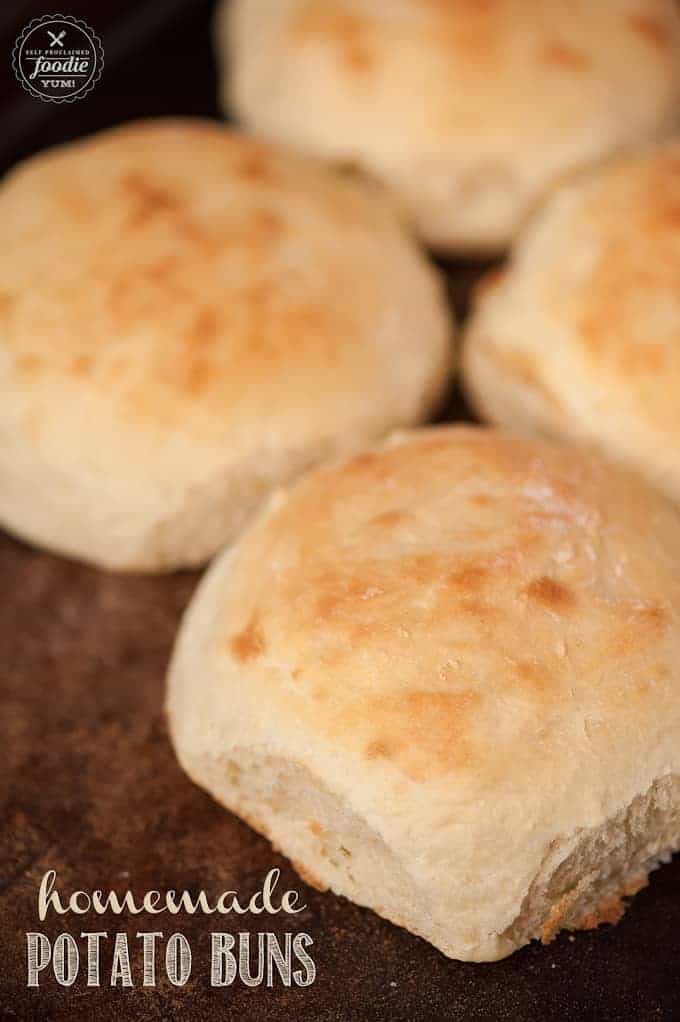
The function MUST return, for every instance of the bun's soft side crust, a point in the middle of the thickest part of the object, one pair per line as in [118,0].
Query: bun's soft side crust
[580,336]
[470,110]
[188,318]
[442,677]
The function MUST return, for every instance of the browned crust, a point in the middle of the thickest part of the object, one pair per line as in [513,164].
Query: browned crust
[609,910]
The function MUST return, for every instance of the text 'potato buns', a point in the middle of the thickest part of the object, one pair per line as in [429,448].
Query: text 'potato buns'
[470,109]
[188,318]
[443,677]
[580,337]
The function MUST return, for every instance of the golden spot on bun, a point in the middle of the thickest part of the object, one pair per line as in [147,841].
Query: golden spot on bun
[390,519]
[348,34]
[254,165]
[7,303]
[564,56]
[269,224]
[28,365]
[482,500]
[248,644]
[204,329]
[423,733]
[651,29]
[471,577]
[148,198]
[638,628]
[82,365]
[551,594]
[378,748]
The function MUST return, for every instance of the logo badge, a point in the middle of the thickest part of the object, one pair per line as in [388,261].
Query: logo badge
[58,59]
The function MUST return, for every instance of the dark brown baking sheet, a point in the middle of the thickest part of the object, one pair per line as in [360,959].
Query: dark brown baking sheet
[89,785]
[90,788]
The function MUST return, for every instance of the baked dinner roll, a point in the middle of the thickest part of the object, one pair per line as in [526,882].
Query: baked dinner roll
[189,318]
[443,677]
[470,109]
[580,337]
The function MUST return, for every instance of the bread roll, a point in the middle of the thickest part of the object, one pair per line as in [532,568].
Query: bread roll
[443,677]
[470,109]
[580,337]
[187,319]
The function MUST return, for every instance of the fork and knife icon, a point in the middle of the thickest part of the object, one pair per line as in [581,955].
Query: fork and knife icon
[57,38]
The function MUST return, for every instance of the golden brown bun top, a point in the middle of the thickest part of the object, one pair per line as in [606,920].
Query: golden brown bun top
[510,78]
[483,34]
[180,276]
[459,602]
[471,110]
[623,304]
[468,646]
[579,336]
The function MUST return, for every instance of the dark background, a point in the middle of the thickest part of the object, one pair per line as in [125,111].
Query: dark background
[90,786]
[158,60]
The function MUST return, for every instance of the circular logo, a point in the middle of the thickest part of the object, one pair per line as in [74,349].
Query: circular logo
[58,59]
